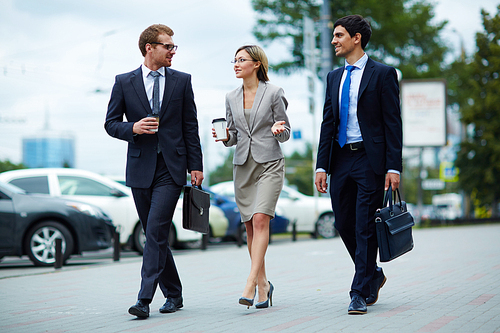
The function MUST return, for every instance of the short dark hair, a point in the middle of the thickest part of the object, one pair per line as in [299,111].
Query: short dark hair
[151,34]
[354,24]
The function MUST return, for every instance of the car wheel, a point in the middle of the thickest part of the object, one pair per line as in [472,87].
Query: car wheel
[325,226]
[139,238]
[40,243]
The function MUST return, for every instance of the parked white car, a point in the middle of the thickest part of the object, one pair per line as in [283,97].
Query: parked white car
[310,214]
[85,186]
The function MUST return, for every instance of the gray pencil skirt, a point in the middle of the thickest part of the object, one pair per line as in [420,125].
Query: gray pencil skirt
[257,186]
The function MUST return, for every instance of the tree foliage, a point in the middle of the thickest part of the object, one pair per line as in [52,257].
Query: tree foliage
[477,89]
[224,172]
[403,32]
[8,165]
[299,171]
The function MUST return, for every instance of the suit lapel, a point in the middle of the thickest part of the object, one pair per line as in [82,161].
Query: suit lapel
[367,74]
[261,89]
[170,82]
[138,84]
[239,115]
[335,84]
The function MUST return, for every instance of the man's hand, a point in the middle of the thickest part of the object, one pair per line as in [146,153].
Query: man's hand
[145,126]
[196,177]
[393,180]
[320,182]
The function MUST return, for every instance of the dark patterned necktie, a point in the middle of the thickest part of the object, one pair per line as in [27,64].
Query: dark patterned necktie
[156,92]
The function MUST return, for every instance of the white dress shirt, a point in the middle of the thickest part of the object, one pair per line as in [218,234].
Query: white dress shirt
[353,131]
[149,81]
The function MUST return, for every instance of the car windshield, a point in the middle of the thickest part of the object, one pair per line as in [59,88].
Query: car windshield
[12,188]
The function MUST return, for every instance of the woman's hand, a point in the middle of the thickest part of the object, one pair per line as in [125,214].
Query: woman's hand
[278,127]
[214,134]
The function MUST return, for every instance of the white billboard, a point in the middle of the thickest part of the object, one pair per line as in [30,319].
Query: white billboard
[423,109]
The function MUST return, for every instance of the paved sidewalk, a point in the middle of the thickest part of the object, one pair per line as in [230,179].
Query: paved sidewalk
[448,283]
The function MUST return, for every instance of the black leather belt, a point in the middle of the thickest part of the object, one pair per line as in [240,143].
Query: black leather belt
[354,146]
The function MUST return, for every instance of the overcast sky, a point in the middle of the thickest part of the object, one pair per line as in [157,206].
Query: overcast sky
[59,59]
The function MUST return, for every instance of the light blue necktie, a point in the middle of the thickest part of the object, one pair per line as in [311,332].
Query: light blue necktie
[344,107]
[156,92]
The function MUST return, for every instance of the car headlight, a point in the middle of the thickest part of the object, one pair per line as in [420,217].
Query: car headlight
[85,209]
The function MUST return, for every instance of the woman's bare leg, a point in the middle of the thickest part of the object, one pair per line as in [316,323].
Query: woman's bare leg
[257,240]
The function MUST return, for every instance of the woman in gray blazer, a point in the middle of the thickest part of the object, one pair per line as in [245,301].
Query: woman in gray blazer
[257,124]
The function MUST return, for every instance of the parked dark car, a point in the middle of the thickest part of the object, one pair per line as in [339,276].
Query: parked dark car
[30,224]
[279,224]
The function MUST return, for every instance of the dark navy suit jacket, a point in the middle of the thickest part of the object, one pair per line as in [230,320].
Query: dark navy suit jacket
[178,129]
[379,118]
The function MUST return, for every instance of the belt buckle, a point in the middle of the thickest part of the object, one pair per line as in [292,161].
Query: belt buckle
[352,147]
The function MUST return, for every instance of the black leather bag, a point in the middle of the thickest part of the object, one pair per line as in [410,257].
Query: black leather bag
[393,224]
[195,207]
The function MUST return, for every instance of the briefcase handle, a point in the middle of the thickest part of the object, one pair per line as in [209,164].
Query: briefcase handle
[388,198]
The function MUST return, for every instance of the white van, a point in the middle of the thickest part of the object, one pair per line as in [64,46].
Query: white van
[447,206]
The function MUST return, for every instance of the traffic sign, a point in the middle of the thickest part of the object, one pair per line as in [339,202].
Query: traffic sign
[448,172]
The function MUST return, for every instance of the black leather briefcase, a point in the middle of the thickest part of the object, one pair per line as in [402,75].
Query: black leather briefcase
[195,207]
[393,224]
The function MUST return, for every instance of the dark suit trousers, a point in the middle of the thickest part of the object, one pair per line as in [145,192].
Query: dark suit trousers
[156,206]
[356,193]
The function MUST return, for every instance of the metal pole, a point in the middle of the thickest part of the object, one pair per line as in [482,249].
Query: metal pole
[240,235]
[326,38]
[204,241]
[116,246]
[420,195]
[59,256]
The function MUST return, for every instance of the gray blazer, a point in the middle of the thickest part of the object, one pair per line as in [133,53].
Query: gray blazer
[268,107]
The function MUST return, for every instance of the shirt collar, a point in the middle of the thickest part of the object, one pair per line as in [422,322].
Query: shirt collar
[146,71]
[360,64]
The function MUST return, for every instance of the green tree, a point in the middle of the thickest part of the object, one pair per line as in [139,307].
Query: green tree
[403,34]
[8,165]
[299,171]
[479,84]
[224,172]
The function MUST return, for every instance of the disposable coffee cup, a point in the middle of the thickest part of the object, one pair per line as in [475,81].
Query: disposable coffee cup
[220,128]
[157,117]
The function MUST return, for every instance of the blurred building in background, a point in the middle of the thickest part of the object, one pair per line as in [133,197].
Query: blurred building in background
[49,151]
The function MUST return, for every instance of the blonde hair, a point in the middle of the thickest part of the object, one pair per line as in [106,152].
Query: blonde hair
[257,54]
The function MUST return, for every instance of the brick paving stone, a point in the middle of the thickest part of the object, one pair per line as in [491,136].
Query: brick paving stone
[447,283]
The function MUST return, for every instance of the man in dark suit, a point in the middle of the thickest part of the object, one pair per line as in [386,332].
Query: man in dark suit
[360,147]
[160,153]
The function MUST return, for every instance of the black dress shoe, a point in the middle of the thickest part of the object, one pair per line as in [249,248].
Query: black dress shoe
[357,306]
[171,305]
[140,309]
[375,285]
